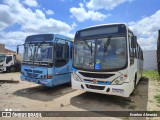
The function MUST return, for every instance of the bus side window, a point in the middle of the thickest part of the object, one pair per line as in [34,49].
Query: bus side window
[62,54]
[8,59]
[71,47]
[132,51]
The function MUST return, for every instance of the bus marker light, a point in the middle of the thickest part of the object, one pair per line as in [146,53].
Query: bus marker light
[49,76]
[125,75]
[94,81]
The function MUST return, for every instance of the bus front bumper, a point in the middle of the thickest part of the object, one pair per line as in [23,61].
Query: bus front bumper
[123,90]
[45,82]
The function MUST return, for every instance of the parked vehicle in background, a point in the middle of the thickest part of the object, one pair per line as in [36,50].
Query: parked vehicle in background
[158,52]
[47,59]
[10,62]
[107,59]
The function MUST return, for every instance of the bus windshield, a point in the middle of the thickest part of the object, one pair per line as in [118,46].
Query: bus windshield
[2,58]
[39,52]
[100,54]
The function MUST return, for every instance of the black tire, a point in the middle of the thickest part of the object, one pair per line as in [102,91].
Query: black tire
[12,69]
[135,80]
[7,70]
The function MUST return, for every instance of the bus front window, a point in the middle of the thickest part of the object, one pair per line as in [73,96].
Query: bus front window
[101,54]
[41,52]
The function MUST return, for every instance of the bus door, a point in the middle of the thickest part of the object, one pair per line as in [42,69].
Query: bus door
[62,65]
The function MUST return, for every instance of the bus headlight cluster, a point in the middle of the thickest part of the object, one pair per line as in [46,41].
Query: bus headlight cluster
[42,76]
[75,77]
[119,80]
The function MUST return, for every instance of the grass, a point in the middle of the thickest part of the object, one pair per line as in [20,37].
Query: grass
[157,97]
[152,74]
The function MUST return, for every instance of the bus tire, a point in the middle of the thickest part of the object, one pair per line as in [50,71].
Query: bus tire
[12,69]
[135,80]
[7,70]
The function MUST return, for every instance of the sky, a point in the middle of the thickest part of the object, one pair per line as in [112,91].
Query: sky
[20,18]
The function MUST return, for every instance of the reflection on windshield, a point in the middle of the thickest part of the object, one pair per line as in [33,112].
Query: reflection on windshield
[28,52]
[43,53]
[104,53]
[2,58]
[38,53]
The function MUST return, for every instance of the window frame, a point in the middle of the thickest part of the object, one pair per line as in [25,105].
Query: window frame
[66,58]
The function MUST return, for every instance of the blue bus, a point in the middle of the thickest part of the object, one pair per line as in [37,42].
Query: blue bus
[47,59]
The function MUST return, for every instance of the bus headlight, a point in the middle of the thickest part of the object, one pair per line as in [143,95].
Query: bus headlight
[119,81]
[75,77]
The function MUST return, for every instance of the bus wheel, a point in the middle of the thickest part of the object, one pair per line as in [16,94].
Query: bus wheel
[12,69]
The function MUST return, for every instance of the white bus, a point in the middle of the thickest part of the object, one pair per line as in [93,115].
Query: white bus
[106,59]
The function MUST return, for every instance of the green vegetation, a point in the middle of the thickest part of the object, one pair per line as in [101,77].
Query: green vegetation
[157,97]
[152,74]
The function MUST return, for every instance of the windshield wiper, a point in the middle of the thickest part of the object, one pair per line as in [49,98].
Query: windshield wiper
[38,48]
[90,47]
[31,49]
[106,45]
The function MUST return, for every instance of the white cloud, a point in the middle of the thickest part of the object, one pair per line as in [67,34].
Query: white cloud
[31,3]
[104,4]
[49,12]
[147,30]
[73,25]
[81,14]
[31,22]
[13,38]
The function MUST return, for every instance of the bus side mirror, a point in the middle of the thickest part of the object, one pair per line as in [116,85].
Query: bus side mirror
[17,49]
[133,41]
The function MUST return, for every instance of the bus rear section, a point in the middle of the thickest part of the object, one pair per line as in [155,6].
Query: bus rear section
[104,60]
[47,59]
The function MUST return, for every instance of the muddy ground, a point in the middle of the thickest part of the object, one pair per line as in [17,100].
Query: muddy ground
[16,94]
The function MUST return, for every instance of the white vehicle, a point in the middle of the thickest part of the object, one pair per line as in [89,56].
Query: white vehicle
[106,59]
[9,63]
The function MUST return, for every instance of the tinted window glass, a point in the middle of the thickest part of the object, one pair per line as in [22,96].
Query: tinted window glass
[9,58]
[62,54]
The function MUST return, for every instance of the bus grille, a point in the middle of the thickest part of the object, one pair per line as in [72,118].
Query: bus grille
[95,75]
[33,73]
[95,87]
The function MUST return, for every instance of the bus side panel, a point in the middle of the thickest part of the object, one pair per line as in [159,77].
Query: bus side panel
[61,79]
[63,74]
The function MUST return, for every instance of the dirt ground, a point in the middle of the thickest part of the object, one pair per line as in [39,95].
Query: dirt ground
[25,96]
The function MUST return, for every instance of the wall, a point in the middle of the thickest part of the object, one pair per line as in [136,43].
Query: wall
[150,60]
[2,48]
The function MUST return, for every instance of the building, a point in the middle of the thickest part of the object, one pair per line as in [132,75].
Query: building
[5,50]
